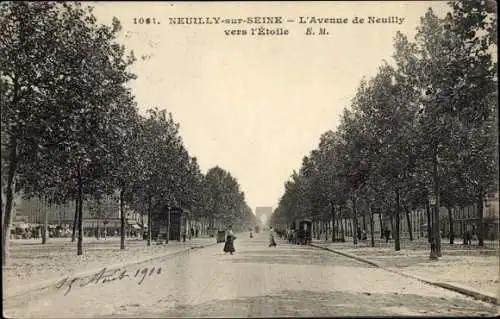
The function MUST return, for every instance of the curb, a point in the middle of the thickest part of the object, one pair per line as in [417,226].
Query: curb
[463,290]
[469,292]
[348,255]
[52,282]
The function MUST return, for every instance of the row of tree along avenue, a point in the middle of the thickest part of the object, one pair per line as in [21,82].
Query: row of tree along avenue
[71,130]
[420,134]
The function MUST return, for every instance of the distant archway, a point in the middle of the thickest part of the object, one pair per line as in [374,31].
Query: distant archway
[263,214]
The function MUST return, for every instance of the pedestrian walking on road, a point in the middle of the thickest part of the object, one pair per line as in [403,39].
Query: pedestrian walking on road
[229,245]
[272,241]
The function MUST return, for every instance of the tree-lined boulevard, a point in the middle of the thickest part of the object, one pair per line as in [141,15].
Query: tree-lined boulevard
[420,135]
[71,130]
[258,281]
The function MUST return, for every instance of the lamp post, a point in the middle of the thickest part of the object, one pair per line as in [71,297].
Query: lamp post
[433,239]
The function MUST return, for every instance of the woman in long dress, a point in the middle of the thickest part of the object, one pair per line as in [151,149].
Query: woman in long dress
[229,245]
[272,241]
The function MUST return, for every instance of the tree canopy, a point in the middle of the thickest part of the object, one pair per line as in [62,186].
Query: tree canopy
[424,124]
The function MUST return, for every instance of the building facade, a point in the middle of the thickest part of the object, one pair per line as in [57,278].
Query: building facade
[467,218]
[464,218]
[102,218]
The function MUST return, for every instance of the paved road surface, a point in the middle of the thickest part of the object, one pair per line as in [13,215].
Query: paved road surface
[287,280]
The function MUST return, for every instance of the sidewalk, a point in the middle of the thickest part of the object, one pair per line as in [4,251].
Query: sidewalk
[471,270]
[33,265]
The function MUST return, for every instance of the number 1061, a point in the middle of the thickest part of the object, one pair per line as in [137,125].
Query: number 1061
[146,21]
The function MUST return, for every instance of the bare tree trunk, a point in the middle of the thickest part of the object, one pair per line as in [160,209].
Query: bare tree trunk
[45,222]
[372,226]
[421,223]
[334,229]
[392,226]
[429,222]
[314,228]
[97,229]
[364,221]
[7,214]
[438,230]
[381,225]
[452,230]
[168,225]
[339,227]
[397,243]
[2,210]
[79,244]
[414,223]
[432,233]
[75,221]
[436,224]
[122,221]
[320,228]
[327,229]
[408,219]
[12,168]
[480,233]
[355,222]
[149,221]
[322,225]
[317,229]
[342,230]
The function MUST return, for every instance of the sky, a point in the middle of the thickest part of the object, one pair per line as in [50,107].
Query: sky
[256,105]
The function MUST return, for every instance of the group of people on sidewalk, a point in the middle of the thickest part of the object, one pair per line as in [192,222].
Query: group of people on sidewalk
[230,238]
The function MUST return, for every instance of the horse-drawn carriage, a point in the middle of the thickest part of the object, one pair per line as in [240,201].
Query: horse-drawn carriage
[301,231]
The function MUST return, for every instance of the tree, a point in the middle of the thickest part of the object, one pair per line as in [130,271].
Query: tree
[126,150]
[26,30]
[471,27]
[61,108]
[420,128]
[226,201]
[451,62]
[156,174]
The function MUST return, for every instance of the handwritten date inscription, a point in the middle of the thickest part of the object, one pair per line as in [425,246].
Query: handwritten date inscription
[105,276]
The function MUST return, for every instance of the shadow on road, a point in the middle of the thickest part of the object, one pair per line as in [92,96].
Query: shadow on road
[293,255]
[306,303]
